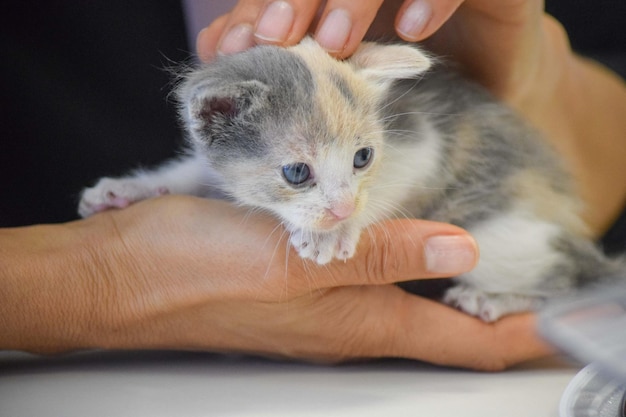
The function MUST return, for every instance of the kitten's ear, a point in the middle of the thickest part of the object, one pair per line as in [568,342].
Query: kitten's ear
[209,107]
[385,63]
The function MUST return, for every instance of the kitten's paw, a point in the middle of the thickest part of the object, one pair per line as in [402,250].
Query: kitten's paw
[111,193]
[489,307]
[346,249]
[323,248]
[312,246]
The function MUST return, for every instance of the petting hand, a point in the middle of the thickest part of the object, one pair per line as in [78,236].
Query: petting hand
[338,25]
[504,44]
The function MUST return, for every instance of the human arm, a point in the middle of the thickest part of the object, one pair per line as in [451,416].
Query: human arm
[184,273]
[513,48]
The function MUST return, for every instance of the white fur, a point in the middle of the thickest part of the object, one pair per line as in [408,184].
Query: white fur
[515,253]
[515,256]
[189,175]
[407,166]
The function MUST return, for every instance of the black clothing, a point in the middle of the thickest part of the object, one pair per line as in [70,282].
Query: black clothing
[84,94]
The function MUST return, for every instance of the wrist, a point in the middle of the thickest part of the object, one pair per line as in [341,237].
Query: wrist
[48,289]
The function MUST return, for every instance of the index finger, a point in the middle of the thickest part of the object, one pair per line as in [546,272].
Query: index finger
[253,22]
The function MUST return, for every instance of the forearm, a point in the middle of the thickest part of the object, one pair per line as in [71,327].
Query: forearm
[597,117]
[581,108]
[44,302]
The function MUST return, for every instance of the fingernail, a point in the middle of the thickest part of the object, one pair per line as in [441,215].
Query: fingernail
[204,54]
[276,22]
[414,19]
[239,38]
[450,255]
[335,31]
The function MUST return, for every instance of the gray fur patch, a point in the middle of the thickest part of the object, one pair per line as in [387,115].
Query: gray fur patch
[288,95]
[470,184]
[583,264]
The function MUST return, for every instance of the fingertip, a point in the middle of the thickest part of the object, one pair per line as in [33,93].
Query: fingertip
[347,49]
[413,20]
[344,24]
[275,23]
[237,39]
[208,38]
[450,255]
[334,32]
[204,48]
[419,19]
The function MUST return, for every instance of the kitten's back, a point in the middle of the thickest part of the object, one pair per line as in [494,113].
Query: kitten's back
[492,158]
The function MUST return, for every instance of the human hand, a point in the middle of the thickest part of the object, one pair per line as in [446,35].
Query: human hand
[491,38]
[339,26]
[184,273]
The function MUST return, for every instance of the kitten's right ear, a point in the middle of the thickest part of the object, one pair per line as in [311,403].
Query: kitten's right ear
[382,63]
[209,108]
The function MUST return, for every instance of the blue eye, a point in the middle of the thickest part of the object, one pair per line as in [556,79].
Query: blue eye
[297,173]
[362,157]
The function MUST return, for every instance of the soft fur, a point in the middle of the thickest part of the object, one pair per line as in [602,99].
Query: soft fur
[442,149]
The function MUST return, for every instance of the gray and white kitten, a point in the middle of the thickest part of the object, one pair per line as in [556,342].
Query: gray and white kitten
[331,147]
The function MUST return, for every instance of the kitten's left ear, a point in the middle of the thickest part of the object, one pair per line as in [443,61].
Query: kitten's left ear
[208,108]
[385,63]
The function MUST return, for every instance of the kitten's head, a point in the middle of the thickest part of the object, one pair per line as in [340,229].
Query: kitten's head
[294,131]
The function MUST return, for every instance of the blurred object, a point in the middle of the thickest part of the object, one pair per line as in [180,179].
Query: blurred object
[591,393]
[592,329]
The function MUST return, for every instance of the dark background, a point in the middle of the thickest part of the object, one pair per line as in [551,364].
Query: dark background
[85,91]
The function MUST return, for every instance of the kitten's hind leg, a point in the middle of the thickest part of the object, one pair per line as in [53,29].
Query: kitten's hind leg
[489,307]
[519,265]
[524,261]
[183,176]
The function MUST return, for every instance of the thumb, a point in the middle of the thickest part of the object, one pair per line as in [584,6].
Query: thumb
[404,250]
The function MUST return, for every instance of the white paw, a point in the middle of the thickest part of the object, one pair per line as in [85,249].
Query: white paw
[488,307]
[324,247]
[111,193]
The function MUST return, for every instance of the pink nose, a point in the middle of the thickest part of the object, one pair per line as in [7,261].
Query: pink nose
[341,211]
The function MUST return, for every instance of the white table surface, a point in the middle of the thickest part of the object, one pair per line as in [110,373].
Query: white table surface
[158,384]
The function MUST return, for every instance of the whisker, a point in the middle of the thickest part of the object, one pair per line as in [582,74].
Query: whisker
[275,250]
[400,96]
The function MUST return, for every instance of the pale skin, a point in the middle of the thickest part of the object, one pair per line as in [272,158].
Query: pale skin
[180,272]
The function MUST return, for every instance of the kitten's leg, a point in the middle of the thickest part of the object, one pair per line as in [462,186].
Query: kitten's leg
[519,266]
[323,247]
[347,240]
[316,246]
[489,307]
[189,175]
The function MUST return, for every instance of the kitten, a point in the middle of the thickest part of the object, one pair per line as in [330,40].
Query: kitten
[331,147]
